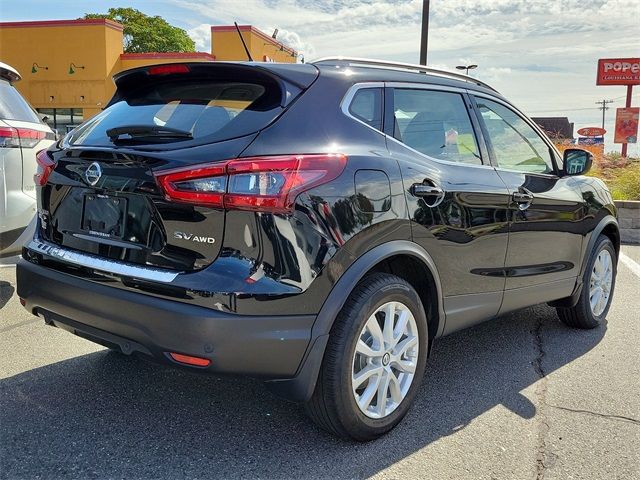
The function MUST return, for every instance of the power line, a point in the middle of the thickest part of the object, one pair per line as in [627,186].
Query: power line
[624,96]
[562,110]
[569,109]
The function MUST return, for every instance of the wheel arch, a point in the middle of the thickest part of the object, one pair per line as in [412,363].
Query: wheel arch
[612,231]
[608,226]
[403,258]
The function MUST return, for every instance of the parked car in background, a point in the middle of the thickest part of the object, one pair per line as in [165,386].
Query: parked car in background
[314,225]
[22,135]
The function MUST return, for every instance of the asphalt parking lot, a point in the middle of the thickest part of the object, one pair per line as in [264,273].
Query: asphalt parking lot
[521,397]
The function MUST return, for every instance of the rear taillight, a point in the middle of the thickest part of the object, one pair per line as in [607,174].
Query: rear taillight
[44,168]
[204,185]
[20,137]
[264,184]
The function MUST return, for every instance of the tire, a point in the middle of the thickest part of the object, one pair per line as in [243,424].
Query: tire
[583,315]
[333,405]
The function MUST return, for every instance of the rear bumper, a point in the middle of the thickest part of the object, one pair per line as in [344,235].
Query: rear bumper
[270,347]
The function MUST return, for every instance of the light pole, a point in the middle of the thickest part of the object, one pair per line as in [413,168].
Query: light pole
[466,67]
[424,36]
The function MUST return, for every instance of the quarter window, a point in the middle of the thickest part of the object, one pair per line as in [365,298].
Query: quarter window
[366,106]
[516,145]
[436,124]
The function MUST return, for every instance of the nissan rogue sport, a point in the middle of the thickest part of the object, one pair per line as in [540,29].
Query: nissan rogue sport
[317,226]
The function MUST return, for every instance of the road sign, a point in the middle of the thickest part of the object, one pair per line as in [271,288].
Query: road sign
[627,125]
[618,71]
[592,132]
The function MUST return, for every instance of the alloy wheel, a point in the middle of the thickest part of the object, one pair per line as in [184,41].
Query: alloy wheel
[385,359]
[600,282]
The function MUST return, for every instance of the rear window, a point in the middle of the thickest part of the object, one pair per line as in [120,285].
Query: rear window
[13,106]
[210,110]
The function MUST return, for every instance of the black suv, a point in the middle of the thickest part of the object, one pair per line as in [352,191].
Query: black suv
[314,225]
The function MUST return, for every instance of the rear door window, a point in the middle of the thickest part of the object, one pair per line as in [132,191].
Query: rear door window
[436,124]
[207,110]
[13,106]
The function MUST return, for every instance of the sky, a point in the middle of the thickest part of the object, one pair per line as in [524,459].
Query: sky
[542,55]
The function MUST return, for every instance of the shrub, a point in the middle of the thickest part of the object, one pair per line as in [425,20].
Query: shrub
[625,184]
[622,175]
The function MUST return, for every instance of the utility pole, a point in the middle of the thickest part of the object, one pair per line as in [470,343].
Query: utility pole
[424,38]
[604,108]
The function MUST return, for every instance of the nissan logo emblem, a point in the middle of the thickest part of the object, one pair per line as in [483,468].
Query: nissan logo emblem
[93,173]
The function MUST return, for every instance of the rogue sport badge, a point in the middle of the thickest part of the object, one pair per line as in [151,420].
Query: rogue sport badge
[93,173]
[190,237]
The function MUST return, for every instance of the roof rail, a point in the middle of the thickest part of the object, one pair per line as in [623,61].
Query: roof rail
[368,62]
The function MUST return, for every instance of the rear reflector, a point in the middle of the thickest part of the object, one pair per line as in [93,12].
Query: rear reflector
[20,137]
[262,184]
[168,69]
[44,168]
[189,360]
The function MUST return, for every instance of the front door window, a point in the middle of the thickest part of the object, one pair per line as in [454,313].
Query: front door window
[516,145]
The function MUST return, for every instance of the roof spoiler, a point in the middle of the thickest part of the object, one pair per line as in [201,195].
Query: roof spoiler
[301,75]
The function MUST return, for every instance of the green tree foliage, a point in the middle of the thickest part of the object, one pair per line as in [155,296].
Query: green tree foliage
[143,33]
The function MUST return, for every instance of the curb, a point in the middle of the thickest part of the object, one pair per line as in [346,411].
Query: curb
[629,220]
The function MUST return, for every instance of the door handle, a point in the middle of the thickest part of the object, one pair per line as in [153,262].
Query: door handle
[428,190]
[523,198]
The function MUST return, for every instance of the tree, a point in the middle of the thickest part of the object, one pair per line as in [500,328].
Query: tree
[143,33]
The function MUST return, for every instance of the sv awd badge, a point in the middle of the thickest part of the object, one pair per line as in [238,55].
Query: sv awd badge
[190,237]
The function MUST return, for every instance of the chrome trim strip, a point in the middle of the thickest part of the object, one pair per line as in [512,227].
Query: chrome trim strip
[101,264]
[436,160]
[348,98]
[522,172]
[346,102]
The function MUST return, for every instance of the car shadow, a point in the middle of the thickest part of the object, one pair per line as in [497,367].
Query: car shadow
[6,292]
[107,415]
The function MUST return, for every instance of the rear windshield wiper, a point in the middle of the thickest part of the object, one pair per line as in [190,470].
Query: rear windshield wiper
[138,132]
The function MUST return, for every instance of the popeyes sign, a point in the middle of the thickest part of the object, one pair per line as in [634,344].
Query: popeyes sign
[618,71]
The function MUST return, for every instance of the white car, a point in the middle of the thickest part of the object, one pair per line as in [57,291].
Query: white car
[22,135]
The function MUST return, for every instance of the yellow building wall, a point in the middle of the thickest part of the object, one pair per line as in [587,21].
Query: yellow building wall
[227,46]
[55,45]
[96,45]
[114,49]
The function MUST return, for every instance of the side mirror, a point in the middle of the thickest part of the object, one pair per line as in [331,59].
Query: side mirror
[576,161]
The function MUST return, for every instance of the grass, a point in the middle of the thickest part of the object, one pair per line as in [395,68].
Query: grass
[622,175]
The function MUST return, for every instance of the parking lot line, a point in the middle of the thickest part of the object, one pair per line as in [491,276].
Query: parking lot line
[631,264]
